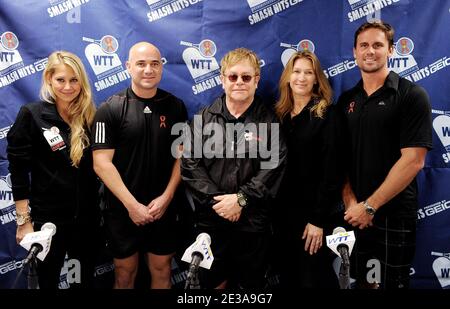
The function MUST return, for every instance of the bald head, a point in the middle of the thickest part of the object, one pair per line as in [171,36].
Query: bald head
[143,48]
[145,68]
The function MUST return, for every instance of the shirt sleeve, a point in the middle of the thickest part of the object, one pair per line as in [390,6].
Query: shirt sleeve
[416,124]
[104,129]
[20,153]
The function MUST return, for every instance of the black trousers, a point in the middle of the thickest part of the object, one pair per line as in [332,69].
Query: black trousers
[299,270]
[241,258]
[296,267]
[81,242]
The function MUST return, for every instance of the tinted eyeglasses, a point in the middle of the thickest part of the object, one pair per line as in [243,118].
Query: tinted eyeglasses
[234,77]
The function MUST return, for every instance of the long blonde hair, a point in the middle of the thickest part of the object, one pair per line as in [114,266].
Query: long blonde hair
[322,91]
[81,111]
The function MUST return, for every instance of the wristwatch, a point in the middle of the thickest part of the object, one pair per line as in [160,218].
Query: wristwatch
[23,218]
[242,199]
[369,209]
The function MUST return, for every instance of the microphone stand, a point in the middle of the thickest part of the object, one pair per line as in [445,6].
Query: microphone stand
[192,281]
[344,275]
[18,276]
[32,277]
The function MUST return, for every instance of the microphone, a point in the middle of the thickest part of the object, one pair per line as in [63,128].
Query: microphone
[38,243]
[341,243]
[199,252]
[198,255]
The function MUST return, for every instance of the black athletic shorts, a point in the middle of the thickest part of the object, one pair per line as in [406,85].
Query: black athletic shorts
[126,238]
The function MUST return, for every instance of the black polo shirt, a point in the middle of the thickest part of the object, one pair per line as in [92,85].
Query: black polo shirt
[139,130]
[396,116]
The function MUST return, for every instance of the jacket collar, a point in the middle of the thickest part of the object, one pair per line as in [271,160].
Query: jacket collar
[219,108]
[49,112]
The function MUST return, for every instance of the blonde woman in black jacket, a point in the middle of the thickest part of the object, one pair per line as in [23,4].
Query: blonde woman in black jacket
[51,168]
[310,192]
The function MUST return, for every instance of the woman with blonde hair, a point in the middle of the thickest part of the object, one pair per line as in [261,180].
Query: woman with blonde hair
[51,168]
[310,190]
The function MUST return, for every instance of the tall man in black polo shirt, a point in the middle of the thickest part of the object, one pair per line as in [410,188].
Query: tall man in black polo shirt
[389,132]
[132,155]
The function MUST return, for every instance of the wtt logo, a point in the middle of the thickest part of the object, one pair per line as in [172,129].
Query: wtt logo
[12,67]
[6,197]
[104,61]
[304,44]
[441,267]
[102,56]
[7,208]
[441,125]
[10,58]
[402,61]
[203,66]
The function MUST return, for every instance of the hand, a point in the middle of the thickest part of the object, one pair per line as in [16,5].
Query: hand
[228,207]
[158,206]
[313,235]
[23,230]
[357,216]
[139,214]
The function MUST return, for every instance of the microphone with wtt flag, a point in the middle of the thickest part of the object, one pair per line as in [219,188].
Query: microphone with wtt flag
[197,255]
[38,243]
[341,243]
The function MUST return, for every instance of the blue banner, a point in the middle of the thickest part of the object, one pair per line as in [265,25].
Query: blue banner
[193,35]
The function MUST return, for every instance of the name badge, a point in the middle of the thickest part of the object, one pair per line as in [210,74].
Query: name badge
[54,139]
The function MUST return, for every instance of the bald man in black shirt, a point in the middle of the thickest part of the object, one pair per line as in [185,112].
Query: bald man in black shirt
[132,155]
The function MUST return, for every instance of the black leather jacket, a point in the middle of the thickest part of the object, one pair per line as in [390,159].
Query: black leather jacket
[208,176]
[57,191]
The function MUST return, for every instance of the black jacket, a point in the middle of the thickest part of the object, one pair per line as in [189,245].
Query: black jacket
[311,188]
[57,191]
[209,175]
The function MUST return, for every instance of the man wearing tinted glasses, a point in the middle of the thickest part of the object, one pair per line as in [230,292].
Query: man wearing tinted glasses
[234,174]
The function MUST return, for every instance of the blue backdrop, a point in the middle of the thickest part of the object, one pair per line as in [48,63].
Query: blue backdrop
[193,35]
